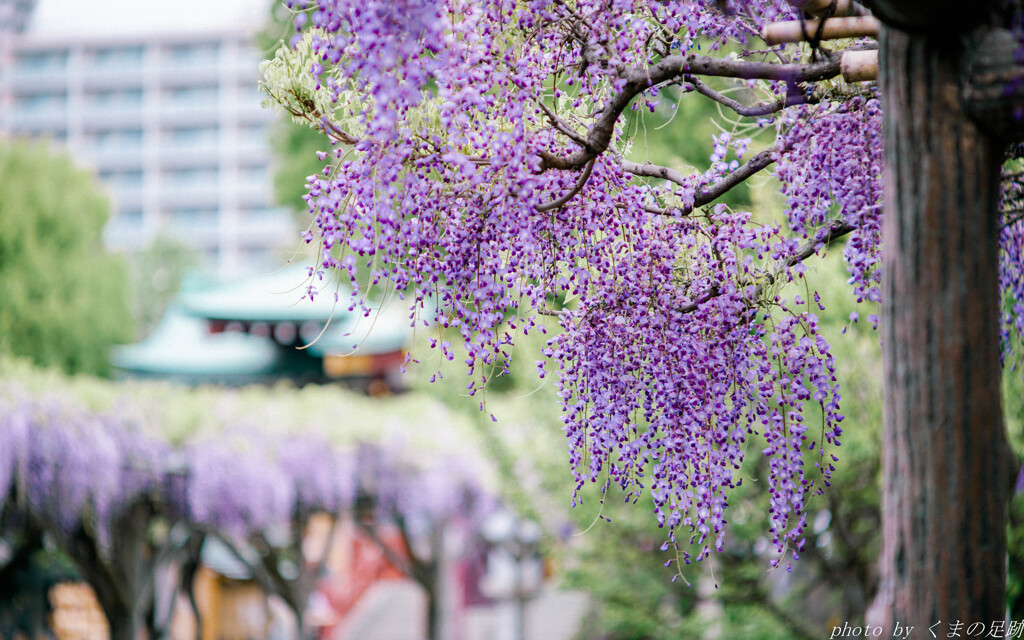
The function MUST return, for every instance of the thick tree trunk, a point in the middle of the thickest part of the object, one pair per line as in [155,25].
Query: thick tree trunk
[946,462]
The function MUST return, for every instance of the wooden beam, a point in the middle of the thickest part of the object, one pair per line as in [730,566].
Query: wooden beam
[859,66]
[833,29]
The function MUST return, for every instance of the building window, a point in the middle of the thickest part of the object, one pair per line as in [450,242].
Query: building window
[192,218]
[119,57]
[192,178]
[122,179]
[193,54]
[42,102]
[42,61]
[193,97]
[121,140]
[126,98]
[192,137]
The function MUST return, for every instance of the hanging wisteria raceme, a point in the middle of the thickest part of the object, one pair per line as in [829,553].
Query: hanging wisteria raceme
[831,174]
[67,465]
[479,159]
[1011,268]
[479,155]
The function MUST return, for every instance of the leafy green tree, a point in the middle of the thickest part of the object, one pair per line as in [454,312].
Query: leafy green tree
[296,147]
[157,273]
[63,299]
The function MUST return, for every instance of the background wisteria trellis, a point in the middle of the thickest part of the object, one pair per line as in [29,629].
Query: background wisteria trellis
[125,503]
[479,160]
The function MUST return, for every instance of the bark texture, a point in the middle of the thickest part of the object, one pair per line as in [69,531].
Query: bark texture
[946,463]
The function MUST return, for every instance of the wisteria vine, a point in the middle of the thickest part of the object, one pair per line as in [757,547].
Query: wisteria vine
[480,159]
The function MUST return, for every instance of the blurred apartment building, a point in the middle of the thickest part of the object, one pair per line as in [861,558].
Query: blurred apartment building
[160,99]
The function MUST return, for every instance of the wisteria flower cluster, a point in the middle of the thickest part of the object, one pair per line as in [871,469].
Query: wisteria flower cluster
[831,174]
[479,159]
[1011,268]
[478,155]
[125,505]
[68,466]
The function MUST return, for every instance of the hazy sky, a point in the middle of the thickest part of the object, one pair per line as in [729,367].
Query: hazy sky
[112,17]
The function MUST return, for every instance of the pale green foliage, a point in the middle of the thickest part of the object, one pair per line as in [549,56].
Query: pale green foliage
[289,85]
[183,414]
[63,300]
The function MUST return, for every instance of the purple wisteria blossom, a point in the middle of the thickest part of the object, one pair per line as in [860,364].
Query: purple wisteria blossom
[124,503]
[480,160]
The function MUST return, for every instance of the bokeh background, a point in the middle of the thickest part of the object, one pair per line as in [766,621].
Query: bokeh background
[191,447]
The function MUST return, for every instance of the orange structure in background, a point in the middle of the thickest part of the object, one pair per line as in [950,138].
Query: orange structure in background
[231,609]
[238,609]
[76,613]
